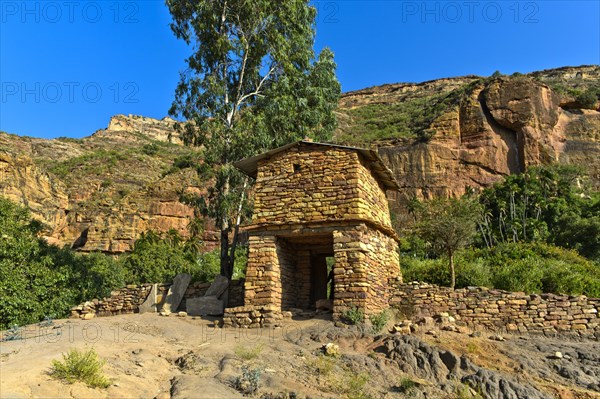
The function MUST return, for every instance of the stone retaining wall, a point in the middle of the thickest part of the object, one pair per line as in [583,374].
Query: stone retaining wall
[128,299]
[254,316]
[501,310]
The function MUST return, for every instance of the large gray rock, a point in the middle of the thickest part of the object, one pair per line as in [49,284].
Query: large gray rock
[205,306]
[176,292]
[149,304]
[218,287]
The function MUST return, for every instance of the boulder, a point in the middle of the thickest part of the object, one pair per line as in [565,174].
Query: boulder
[176,292]
[205,306]
[218,287]
[149,304]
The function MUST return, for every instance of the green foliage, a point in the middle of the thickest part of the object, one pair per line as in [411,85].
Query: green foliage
[159,258]
[321,365]
[407,385]
[354,316]
[544,204]
[528,267]
[80,366]
[31,283]
[99,163]
[379,320]
[150,149]
[411,118]
[249,381]
[209,264]
[448,225]
[353,385]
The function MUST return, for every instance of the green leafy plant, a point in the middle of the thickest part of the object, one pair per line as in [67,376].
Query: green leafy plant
[80,366]
[248,382]
[354,315]
[379,320]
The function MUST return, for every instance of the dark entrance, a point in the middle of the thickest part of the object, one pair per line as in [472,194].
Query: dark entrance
[306,263]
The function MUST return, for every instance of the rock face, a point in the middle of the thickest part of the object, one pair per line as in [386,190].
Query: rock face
[489,128]
[99,193]
[102,191]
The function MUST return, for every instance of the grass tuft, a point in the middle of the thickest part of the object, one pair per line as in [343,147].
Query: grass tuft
[80,366]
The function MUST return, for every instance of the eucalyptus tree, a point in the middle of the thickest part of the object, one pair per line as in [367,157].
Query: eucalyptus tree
[252,83]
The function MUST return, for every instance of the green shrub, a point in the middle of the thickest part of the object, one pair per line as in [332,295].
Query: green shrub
[80,366]
[38,280]
[150,149]
[248,382]
[379,320]
[354,316]
[528,267]
[407,385]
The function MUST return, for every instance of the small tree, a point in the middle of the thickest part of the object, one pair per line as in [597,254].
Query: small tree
[449,224]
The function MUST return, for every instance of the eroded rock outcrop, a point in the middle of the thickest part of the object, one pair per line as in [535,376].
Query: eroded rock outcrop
[492,128]
[104,190]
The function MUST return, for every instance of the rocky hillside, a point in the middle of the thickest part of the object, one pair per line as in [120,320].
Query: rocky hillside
[443,136]
[99,193]
[439,138]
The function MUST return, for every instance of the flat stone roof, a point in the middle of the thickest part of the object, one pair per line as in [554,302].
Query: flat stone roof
[382,173]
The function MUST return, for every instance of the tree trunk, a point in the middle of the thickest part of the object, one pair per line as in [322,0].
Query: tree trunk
[452,273]
[225,253]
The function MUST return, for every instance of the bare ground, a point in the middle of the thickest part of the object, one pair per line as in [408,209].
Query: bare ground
[148,356]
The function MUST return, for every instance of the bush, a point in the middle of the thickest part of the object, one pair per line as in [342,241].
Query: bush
[158,258]
[39,280]
[354,316]
[378,321]
[80,366]
[528,267]
[248,382]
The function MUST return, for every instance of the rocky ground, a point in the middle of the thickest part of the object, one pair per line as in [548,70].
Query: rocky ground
[148,356]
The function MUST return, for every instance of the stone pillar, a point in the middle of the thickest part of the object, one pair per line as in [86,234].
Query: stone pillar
[263,275]
[365,262]
[351,285]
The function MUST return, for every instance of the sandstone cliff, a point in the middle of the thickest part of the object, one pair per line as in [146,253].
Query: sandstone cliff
[439,138]
[476,130]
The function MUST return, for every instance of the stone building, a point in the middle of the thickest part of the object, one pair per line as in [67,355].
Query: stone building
[312,202]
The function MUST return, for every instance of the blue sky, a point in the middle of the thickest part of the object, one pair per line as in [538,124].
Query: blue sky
[67,66]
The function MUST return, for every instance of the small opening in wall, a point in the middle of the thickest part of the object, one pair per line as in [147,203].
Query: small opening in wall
[296,167]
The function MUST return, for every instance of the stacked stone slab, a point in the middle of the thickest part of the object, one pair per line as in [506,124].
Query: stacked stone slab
[313,198]
[517,312]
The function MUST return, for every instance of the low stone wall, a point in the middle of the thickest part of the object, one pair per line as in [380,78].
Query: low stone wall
[501,310]
[254,316]
[128,299]
[121,301]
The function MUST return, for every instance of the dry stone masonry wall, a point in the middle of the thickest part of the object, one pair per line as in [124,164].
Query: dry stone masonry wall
[366,261]
[317,184]
[128,299]
[502,310]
